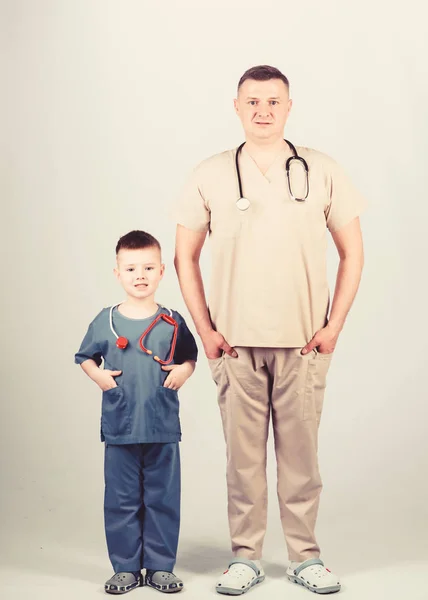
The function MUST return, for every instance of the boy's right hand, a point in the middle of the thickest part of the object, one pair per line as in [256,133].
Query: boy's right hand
[105,379]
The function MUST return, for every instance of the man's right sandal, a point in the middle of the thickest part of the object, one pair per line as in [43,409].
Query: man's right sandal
[240,577]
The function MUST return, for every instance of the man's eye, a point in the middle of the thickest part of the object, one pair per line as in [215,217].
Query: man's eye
[273,102]
[253,102]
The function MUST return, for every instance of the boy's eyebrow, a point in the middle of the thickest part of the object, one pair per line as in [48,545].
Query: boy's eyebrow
[144,264]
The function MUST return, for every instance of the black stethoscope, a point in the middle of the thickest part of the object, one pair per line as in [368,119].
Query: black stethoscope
[243,203]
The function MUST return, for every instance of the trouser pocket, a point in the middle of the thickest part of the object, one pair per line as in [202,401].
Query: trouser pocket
[316,381]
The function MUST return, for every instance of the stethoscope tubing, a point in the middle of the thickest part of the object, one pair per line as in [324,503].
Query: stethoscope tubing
[246,203]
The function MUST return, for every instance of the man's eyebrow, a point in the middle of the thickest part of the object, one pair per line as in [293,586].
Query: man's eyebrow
[271,98]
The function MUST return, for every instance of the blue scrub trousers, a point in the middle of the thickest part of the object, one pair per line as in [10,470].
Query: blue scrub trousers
[142,505]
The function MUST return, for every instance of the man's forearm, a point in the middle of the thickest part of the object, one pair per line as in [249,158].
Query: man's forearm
[347,282]
[192,288]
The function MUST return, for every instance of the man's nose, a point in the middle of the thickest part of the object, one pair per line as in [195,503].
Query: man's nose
[263,111]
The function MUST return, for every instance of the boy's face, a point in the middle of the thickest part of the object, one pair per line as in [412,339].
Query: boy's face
[139,271]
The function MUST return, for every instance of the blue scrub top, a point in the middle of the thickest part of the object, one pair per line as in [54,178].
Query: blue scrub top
[139,409]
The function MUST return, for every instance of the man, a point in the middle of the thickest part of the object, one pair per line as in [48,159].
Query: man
[266,332]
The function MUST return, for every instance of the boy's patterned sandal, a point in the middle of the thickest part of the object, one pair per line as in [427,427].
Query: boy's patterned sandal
[164,581]
[121,583]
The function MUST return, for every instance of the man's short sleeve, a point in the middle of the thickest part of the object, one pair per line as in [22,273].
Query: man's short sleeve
[89,348]
[345,202]
[191,210]
[186,348]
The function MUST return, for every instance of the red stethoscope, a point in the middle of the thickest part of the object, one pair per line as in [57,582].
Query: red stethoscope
[122,342]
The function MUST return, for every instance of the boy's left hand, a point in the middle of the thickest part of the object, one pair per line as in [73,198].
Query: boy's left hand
[178,374]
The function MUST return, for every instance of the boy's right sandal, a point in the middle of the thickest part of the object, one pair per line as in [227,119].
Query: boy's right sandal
[163,581]
[314,576]
[121,583]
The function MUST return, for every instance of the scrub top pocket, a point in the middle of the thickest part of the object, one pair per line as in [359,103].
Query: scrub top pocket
[167,406]
[115,419]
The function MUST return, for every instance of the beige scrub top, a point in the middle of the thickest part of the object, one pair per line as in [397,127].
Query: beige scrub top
[269,278]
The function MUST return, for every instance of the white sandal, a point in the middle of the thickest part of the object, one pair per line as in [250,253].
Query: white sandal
[241,576]
[313,575]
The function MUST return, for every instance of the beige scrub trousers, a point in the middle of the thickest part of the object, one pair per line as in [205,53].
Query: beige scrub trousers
[268,296]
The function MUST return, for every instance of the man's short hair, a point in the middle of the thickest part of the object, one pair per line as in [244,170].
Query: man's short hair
[137,240]
[263,73]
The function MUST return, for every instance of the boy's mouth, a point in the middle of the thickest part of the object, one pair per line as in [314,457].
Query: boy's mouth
[140,285]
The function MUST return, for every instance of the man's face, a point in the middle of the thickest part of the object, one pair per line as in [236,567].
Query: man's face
[263,107]
[139,271]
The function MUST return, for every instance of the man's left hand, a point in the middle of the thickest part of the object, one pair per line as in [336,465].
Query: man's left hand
[324,341]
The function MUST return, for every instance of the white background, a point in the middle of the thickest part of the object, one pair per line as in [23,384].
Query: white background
[107,106]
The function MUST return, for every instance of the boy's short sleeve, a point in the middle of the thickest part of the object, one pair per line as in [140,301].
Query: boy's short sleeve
[191,210]
[89,348]
[186,348]
[345,202]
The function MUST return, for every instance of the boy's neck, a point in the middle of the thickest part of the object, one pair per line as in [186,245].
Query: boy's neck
[138,308]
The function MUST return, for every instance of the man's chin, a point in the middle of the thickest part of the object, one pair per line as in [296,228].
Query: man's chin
[264,134]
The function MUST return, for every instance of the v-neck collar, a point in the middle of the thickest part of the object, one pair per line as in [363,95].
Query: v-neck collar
[267,177]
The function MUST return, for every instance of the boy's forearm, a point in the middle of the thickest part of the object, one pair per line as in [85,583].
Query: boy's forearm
[190,366]
[91,368]
[192,288]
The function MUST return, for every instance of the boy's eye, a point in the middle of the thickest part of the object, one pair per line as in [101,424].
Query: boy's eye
[130,269]
[149,268]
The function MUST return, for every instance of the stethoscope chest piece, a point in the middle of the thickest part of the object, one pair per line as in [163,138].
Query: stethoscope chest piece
[243,203]
[122,342]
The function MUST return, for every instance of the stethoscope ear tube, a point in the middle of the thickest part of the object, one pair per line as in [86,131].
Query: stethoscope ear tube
[303,162]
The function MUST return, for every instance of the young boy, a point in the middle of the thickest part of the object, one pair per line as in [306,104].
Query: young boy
[148,354]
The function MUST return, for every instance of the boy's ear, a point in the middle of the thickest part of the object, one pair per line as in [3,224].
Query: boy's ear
[162,269]
[116,273]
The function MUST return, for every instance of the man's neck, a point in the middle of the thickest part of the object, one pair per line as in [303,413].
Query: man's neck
[264,147]
[265,153]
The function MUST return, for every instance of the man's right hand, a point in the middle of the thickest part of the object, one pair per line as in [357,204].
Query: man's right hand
[105,379]
[214,344]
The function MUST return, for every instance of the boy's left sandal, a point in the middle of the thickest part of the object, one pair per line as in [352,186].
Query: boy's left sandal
[164,581]
[121,583]
[313,575]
